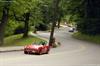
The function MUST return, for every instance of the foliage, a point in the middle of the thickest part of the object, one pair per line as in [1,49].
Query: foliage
[4,18]
[42,27]
[89,26]
[10,28]
[85,13]
[90,22]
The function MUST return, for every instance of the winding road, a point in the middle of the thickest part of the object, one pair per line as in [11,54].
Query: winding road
[72,52]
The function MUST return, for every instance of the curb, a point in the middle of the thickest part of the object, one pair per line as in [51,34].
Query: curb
[20,49]
[15,50]
[11,50]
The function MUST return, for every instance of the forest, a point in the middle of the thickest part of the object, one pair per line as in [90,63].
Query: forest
[22,16]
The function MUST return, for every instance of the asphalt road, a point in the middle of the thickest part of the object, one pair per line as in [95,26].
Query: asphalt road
[72,52]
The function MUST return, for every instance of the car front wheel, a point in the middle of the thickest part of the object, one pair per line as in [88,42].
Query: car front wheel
[47,51]
[40,52]
[25,52]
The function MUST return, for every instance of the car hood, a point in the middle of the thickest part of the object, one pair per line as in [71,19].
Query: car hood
[34,46]
[37,46]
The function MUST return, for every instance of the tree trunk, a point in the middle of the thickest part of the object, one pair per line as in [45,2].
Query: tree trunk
[54,19]
[3,24]
[59,22]
[26,27]
[52,33]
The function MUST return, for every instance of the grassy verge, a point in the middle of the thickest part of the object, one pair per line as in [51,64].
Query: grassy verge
[94,39]
[17,40]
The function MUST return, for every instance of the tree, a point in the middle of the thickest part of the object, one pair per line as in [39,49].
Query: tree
[11,26]
[72,10]
[86,14]
[26,24]
[54,19]
[27,14]
[60,12]
[91,18]
[4,20]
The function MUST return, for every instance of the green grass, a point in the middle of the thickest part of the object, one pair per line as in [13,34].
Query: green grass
[94,39]
[17,40]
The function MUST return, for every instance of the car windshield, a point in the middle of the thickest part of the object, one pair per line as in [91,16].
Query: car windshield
[40,43]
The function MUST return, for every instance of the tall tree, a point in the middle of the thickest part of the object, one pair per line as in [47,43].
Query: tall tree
[27,12]
[54,19]
[90,24]
[25,19]
[4,20]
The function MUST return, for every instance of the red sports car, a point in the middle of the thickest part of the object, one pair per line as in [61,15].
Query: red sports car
[38,48]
